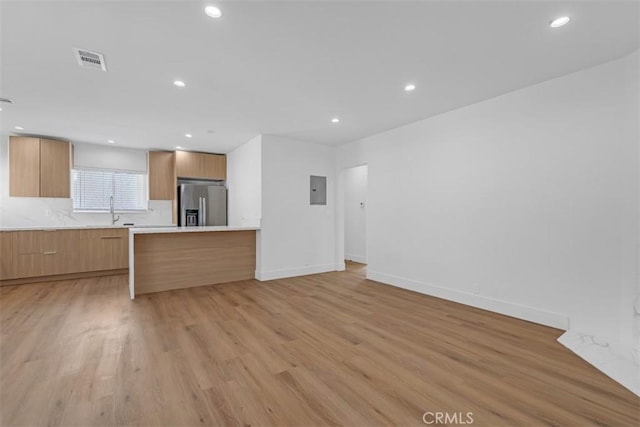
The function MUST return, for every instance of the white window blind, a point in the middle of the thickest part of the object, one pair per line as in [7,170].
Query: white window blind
[93,188]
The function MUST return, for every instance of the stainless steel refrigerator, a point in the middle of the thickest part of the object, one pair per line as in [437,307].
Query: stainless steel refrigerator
[202,204]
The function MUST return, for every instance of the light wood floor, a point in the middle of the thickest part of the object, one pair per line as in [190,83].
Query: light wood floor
[330,349]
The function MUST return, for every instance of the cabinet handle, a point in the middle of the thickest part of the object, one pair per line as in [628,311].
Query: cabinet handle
[111,237]
[49,253]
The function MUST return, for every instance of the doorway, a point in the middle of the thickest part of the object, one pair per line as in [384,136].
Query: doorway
[355,216]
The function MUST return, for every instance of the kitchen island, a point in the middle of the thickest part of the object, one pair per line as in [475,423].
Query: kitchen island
[168,258]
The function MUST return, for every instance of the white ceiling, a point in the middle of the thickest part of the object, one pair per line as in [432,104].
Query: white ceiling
[283,68]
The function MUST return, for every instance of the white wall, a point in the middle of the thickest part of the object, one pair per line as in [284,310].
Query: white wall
[109,157]
[355,214]
[296,238]
[244,181]
[526,204]
[45,211]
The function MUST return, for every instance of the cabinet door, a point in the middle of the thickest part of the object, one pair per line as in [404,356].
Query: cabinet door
[24,167]
[162,175]
[29,242]
[7,255]
[60,252]
[201,165]
[104,249]
[214,166]
[45,253]
[54,169]
[115,250]
[187,164]
[29,253]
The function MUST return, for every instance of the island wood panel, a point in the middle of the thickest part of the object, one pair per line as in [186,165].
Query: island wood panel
[168,261]
[24,166]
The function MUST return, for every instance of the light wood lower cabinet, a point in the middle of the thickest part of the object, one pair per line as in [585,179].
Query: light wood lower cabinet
[8,253]
[104,249]
[26,254]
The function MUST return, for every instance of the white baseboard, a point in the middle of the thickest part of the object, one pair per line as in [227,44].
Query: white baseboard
[356,258]
[294,272]
[518,311]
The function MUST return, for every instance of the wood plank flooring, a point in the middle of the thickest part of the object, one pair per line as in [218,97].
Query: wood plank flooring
[329,349]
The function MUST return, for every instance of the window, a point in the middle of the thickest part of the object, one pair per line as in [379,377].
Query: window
[93,188]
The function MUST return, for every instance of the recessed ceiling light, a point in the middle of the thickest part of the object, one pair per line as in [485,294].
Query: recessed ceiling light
[111,141]
[213,11]
[188,135]
[335,120]
[19,128]
[559,22]
[179,83]
[410,87]
[178,147]
[0,108]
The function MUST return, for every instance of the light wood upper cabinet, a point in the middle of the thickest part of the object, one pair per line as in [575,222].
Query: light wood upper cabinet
[54,168]
[217,164]
[39,167]
[201,165]
[162,175]
[24,166]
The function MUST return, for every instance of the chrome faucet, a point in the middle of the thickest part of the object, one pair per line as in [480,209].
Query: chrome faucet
[112,210]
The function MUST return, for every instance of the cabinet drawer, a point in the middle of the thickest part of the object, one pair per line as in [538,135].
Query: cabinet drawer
[30,242]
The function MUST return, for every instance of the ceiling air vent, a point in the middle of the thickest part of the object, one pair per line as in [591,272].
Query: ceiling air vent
[88,59]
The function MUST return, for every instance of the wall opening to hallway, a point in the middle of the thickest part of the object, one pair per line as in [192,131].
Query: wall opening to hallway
[355,214]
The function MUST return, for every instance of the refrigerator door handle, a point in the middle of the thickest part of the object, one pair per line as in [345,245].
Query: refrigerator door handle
[200,211]
[182,210]
[204,211]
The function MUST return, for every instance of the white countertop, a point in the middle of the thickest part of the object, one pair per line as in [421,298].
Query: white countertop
[155,230]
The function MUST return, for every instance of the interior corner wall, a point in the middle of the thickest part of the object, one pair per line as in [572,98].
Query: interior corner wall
[244,182]
[355,214]
[297,238]
[524,204]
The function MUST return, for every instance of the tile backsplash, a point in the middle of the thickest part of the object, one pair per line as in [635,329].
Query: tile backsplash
[39,211]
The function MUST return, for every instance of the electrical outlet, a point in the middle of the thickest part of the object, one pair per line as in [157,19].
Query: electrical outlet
[48,212]
[475,288]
